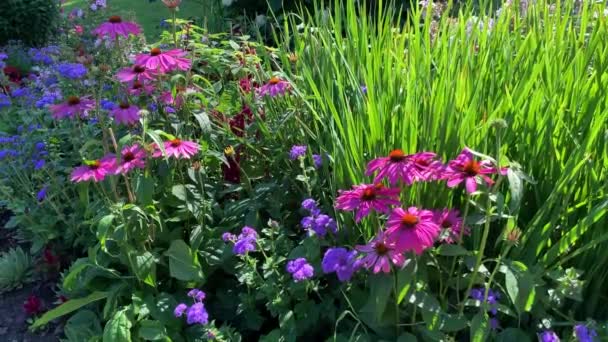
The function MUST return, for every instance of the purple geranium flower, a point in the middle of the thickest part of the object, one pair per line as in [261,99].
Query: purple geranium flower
[341,261]
[300,269]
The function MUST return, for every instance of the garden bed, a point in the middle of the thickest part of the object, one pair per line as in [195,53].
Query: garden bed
[368,178]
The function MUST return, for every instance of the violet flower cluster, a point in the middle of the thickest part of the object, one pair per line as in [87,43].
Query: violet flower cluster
[244,243]
[195,313]
[317,222]
[300,269]
[492,302]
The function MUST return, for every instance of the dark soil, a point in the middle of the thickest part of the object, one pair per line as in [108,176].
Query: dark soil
[13,319]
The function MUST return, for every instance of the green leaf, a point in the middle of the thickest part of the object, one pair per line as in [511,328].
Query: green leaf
[405,277]
[152,330]
[520,284]
[407,337]
[118,328]
[480,327]
[512,334]
[183,263]
[203,121]
[68,307]
[103,228]
[143,265]
[516,190]
[144,189]
[380,286]
[452,250]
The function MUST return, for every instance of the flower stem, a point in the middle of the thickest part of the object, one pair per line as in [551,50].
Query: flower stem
[395,294]
[174,27]
[453,267]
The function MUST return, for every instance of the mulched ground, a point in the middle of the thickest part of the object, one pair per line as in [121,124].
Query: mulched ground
[13,319]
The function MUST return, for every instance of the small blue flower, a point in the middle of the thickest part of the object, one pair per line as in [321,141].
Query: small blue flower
[39,164]
[41,195]
[72,70]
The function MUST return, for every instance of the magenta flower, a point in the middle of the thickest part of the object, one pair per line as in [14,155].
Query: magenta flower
[274,87]
[366,197]
[395,167]
[450,222]
[131,157]
[178,149]
[466,169]
[412,229]
[115,27]
[126,114]
[164,62]
[380,254]
[425,167]
[72,107]
[95,170]
[137,72]
[137,88]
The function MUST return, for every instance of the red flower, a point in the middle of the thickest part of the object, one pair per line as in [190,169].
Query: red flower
[33,305]
[49,257]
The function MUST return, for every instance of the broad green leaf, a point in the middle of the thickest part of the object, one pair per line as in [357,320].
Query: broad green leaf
[512,334]
[480,327]
[405,278]
[118,328]
[152,330]
[143,265]
[407,337]
[183,263]
[68,307]
[380,288]
[144,189]
[452,250]
[520,284]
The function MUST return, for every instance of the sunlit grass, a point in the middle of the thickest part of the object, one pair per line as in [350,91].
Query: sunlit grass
[543,74]
[150,14]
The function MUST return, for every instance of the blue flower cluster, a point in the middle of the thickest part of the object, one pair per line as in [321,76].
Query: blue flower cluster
[44,55]
[5,101]
[316,221]
[3,56]
[493,297]
[22,153]
[244,242]
[72,71]
[196,313]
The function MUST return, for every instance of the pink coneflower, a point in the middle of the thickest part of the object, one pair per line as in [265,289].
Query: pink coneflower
[136,72]
[72,107]
[178,149]
[412,229]
[425,166]
[126,114]
[274,87]
[95,170]
[380,253]
[164,61]
[115,27]
[466,169]
[450,222]
[396,167]
[137,88]
[366,197]
[131,157]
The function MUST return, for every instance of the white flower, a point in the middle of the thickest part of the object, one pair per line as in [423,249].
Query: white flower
[227,3]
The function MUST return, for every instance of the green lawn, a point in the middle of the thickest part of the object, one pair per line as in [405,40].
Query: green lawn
[149,14]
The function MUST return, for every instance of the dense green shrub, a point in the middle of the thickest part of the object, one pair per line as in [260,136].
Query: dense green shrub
[31,21]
